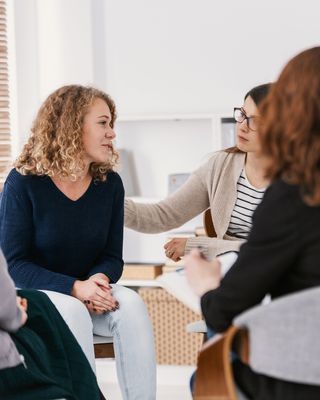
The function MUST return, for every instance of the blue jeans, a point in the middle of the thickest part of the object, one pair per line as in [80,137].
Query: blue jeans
[132,334]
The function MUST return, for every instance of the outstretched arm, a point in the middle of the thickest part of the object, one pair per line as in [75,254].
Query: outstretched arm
[184,204]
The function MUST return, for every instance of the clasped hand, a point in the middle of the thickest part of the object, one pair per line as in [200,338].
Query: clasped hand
[96,294]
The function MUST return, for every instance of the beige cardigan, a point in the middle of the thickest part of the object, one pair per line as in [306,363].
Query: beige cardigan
[214,185]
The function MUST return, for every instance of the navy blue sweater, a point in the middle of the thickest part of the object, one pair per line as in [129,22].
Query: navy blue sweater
[49,241]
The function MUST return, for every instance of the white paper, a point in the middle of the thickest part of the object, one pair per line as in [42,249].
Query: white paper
[226,261]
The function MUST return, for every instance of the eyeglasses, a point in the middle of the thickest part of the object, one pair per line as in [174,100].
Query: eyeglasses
[239,115]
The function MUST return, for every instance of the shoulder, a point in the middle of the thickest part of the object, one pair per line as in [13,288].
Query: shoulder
[25,186]
[114,179]
[280,193]
[283,198]
[221,161]
[222,158]
[281,205]
[111,178]
[15,177]
[17,181]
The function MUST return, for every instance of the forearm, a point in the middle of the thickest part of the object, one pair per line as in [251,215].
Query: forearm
[186,203]
[211,247]
[28,275]
[149,218]
[112,269]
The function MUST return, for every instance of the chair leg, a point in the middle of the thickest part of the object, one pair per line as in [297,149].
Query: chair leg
[214,377]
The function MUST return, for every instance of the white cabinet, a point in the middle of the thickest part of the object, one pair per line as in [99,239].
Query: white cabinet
[157,146]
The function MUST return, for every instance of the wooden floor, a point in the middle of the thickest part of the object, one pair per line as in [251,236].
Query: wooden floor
[172,381]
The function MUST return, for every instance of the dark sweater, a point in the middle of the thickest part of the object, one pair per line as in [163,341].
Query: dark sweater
[280,257]
[49,241]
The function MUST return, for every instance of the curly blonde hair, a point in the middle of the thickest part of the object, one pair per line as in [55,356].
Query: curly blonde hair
[290,128]
[55,146]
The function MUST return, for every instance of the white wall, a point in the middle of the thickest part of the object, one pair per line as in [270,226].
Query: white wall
[157,56]
[64,43]
[23,24]
[53,47]
[200,55]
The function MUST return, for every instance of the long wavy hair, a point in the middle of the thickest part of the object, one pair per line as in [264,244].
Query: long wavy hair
[290,128]
[258,94]
[55,146]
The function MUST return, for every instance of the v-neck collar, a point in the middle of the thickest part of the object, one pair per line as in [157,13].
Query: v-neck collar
[68,198]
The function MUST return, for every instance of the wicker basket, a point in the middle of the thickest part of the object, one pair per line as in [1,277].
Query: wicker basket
[169,319]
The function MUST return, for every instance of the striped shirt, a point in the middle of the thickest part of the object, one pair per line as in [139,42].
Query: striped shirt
[248,198]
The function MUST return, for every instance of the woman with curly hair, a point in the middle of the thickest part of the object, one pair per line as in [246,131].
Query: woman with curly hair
[62,230]
[282,253]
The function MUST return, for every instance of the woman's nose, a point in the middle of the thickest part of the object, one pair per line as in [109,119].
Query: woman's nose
[110,133]
[244,125]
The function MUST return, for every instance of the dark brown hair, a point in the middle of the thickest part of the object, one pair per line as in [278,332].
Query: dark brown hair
[290,132]
[258,94]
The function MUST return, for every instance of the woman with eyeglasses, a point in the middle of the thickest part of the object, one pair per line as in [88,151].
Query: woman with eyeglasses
[232,183]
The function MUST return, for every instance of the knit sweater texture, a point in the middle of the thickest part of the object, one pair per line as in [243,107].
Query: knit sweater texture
[50,241]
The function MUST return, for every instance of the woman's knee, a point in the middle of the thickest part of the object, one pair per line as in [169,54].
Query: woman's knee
[77,314]
[128,298]
[73,311]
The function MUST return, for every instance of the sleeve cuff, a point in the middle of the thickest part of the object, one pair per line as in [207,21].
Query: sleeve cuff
[211,247]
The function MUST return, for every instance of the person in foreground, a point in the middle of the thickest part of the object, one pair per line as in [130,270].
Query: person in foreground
[39,356]
[61,221]
[282,253]
[232,183]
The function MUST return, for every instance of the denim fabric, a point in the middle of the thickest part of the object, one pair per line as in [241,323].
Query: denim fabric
[132,333]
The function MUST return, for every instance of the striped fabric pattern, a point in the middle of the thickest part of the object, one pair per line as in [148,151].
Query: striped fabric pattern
[248,198]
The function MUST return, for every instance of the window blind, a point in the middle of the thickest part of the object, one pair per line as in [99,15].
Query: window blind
[5,141]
